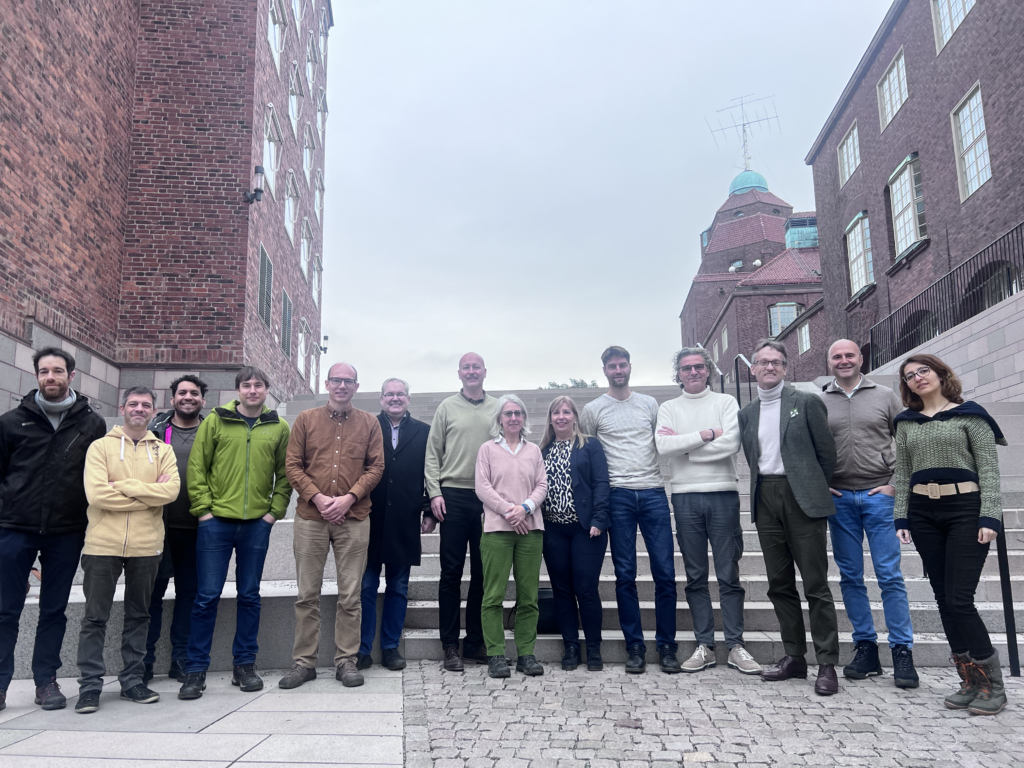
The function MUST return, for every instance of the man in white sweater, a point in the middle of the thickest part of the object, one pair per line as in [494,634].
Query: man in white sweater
[699,434]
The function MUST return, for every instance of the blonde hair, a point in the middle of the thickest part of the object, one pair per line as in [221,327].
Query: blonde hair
[496,430]
[549,430]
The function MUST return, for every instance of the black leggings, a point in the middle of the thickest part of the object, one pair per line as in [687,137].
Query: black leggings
[945,532]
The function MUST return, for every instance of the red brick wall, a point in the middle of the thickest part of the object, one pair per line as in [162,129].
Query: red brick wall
[66,79]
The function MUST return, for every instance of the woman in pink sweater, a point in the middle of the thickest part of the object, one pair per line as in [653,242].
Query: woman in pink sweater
[511,482]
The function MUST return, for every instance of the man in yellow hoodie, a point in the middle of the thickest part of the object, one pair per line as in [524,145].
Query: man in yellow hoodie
[129,476]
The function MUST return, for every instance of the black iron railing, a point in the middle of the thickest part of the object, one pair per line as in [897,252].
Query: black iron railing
[988,277]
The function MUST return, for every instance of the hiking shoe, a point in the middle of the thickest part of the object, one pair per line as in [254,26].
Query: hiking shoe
[393,659]
[452,660]
[194,685]
[296,676]
[497,666]
[88,702]
[478,655]
[865,661]
[741,660]
[363,661]
[347,673]
[147,673]
[635,663]
[176,672]
[529,666]
[140,694]
[988,676]
[903,667]
[246,679]
[48,694]
[701,658]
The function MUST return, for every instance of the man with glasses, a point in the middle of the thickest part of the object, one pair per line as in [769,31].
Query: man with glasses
[335,458]
[397,505]
[699,433]
[860,415]
[462,423]
[785,437]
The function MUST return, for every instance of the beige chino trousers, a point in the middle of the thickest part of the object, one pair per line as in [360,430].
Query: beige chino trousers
[312,540]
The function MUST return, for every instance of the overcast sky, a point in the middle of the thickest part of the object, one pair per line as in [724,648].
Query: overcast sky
[529,179]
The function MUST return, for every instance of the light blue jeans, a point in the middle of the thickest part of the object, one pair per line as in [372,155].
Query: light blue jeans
[858,514]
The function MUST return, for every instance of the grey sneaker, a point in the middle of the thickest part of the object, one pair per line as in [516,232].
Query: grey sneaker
[743,662]
[348,674]
[702,658]
[296,676]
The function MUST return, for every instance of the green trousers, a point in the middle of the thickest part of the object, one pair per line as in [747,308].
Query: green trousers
[503,552]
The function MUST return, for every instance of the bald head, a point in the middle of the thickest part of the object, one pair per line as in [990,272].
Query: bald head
[343,370]
[472,374]
[342,384]
[845,360]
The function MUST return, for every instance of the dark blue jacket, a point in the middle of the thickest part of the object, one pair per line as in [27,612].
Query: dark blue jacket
[589,470]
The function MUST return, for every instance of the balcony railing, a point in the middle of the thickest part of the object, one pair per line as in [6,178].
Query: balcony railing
[985,279]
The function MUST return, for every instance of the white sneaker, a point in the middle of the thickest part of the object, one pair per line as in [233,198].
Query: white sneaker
[702,658]
[742,661]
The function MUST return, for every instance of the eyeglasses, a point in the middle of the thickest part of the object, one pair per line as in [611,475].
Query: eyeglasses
[699,368]
[770,364]
[920,373]
[394,395]
[336,382]
[512,414]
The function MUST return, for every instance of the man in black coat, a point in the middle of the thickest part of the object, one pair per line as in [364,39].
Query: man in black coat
[397,505]
[43,443]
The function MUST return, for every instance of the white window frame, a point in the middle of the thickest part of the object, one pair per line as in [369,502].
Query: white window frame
[725,339]
[803,338]
[978,145]
[305,248]
[266,288]
[944,32]
[271,155]
[898,65]
[321,116]
[286,323]
[300,357]
[324,36]
[312,60]
[906,206]
[296,98]
[308,153]
[714,351]
[318,197]
[858,253]
[775,318]
[316,277]
[849,155]
[314,367]
[291,205]
[277,32]
[297,13]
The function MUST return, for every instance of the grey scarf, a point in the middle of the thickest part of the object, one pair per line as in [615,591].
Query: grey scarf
[55,411]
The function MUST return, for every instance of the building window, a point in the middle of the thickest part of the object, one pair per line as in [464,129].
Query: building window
[300,358]
[781,315]
[297,12]
[314,281]
[266,286]
[704,238]
[277,26]
[291,206]
[849,155]
[314,370]
[738,215]
[321,115]
[892,90]
[803,338]
[306,248]
[947,16]
[736,266]
[318,197]
[271,147]
[858,250]
[907,199]
[725,339]
[973,167]
[308,151]
[714,351]
[295,98]
[324,31]
[311,61]
[286,324]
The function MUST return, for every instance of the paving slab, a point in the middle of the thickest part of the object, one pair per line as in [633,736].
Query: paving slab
[139,746]
[292,750]
[314,723]
[26,761]
[301,700]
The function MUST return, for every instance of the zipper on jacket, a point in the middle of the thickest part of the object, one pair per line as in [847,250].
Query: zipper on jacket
[68,449]
[248,444]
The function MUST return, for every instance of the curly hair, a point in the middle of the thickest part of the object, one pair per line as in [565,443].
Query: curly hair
[686,352]
[951,387]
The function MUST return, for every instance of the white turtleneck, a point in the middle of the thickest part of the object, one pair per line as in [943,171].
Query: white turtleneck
[697,466]
[770,462]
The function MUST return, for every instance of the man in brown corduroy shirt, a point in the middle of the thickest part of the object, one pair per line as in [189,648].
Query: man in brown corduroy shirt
[335,458]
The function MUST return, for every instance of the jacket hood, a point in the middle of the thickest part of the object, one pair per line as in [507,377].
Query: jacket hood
[970,408]
[162,419]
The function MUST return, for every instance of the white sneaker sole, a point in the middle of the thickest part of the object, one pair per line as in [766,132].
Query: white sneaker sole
[709,665]
[745,671]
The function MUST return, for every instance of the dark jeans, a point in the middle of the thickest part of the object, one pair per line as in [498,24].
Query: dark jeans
[99,584]
[462,526]
[648,509]
[789,537]
[218,538]
[715,518]
[945,532]
[179,561]
[574,562]
[396,600]
[58,558]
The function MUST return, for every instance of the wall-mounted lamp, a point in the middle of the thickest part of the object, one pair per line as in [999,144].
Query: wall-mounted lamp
[757,262]
[257,193]
[324,347]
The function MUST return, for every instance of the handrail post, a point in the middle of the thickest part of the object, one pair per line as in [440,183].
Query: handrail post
[1008,618]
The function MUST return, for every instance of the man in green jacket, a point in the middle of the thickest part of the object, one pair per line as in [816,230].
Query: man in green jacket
[238,489]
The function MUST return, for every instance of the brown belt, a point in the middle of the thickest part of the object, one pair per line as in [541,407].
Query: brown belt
[935,491]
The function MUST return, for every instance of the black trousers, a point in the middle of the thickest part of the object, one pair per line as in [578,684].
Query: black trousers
[179,561]
[574,562]
[462,526]
[945,532]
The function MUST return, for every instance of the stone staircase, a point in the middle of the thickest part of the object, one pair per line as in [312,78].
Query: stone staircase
[761,628]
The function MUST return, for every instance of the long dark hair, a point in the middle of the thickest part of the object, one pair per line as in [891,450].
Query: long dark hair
[951,387]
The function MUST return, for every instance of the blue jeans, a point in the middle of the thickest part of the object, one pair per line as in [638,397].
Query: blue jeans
[58,560]
[857,514]
[218,538]
[648,509]
[396,598]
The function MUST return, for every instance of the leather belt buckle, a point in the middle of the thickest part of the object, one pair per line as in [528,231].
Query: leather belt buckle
[933,491]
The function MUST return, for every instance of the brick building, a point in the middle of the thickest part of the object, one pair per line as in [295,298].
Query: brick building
[759,272]
[132,131]
[918,177]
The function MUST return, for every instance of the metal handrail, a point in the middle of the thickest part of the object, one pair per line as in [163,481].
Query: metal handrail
[736,375]
[721,378]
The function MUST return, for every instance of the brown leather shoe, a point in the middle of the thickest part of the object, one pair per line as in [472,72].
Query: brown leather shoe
[827,684]
[452,660]
[785,668]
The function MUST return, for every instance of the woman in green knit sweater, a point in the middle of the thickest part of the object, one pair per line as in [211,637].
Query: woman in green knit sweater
[948,502]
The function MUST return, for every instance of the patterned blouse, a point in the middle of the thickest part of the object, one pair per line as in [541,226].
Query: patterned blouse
[559,506]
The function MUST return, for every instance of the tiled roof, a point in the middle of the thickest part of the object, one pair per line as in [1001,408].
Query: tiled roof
[796,265]
[747,231]
[718,277]
[752,196]
[804,215]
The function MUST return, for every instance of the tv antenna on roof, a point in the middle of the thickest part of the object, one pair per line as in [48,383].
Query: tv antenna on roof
[763,114]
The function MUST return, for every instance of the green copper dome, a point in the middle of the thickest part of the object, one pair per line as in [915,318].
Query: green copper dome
[747,181]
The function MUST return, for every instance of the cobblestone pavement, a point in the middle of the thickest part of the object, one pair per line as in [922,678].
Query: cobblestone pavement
[714,718]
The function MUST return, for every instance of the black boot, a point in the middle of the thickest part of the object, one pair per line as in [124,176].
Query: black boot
[529,666]
[865,661]
[497,666]
[571,658]
[594,661]
[903,667]
[635,663]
